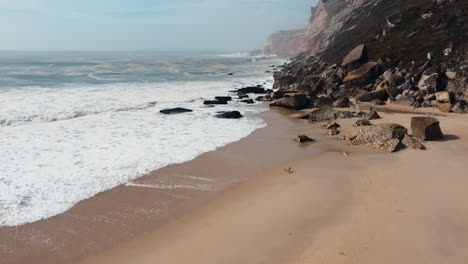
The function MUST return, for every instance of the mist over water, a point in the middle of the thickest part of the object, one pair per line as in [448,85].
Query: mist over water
[75,124]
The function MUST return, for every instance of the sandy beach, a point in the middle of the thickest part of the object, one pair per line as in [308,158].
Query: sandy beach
[363,207]
[368,207]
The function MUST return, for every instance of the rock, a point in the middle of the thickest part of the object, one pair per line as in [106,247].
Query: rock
[444,107]
[362,122]
[325,113]
[223,98]
[377,102]
[451,75]
[380,94]
[443,97]
[426,128]
[214,102]
[354,56]
[363,75]
[372,115]
[394,19]
[341,102]
[243,96]
[229,115]
[305,139]
[333,132]
[248,101]
[385,137]
[458,109]
[252,89]
[295,102]
[332,125]
[177,110]
[323,101]
[266,98]
[404,100]
[428,83]
[345,114]
[413,143]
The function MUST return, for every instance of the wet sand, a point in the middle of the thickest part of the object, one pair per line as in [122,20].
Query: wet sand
[367,207]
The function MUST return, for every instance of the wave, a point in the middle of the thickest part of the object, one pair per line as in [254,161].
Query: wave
[70,115]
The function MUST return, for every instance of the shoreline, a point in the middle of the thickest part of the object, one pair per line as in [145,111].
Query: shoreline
[146,203]
[367,207]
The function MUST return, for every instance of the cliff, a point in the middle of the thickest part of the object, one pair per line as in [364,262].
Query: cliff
[287,43]
[407,52]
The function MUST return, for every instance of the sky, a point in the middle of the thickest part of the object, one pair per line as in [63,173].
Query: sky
[165,25]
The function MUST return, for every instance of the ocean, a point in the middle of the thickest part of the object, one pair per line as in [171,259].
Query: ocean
[74,124]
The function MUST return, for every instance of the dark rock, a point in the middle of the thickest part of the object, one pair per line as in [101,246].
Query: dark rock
[305,139]
[229,115]
[325,113]
[368,97]
[363,75]
[252,89]
[372,115]
[362,122]
[323,101]
[214,102]
[223,98]
[332,125]
[428,83]
[341,103]
[243,96]
[295,102]
[248,101]
[426,128]
[377,102]
[333,132]
[177,110]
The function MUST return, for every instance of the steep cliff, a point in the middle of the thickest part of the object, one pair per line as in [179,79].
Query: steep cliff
[408,52]
[286,43]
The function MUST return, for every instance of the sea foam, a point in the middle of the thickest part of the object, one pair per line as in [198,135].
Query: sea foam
[61,146]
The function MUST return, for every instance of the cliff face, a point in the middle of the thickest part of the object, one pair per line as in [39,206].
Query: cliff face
[286,43]
[407,52]
[327,19]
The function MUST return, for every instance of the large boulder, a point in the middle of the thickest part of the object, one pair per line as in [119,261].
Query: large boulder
[355,56]
[368,97]
[342,102]
[385,137]
[295,102]
[426,128]
[229,115]
[323,101]
[177,110]
[443,97]
[252,89]
[324,113]
[364,75]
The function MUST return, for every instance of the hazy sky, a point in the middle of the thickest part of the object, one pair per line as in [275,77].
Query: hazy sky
[231,25]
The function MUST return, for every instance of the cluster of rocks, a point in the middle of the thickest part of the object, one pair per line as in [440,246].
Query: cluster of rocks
[374,72]
[264,95]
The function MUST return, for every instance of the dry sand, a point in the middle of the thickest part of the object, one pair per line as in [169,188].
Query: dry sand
[367,207]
